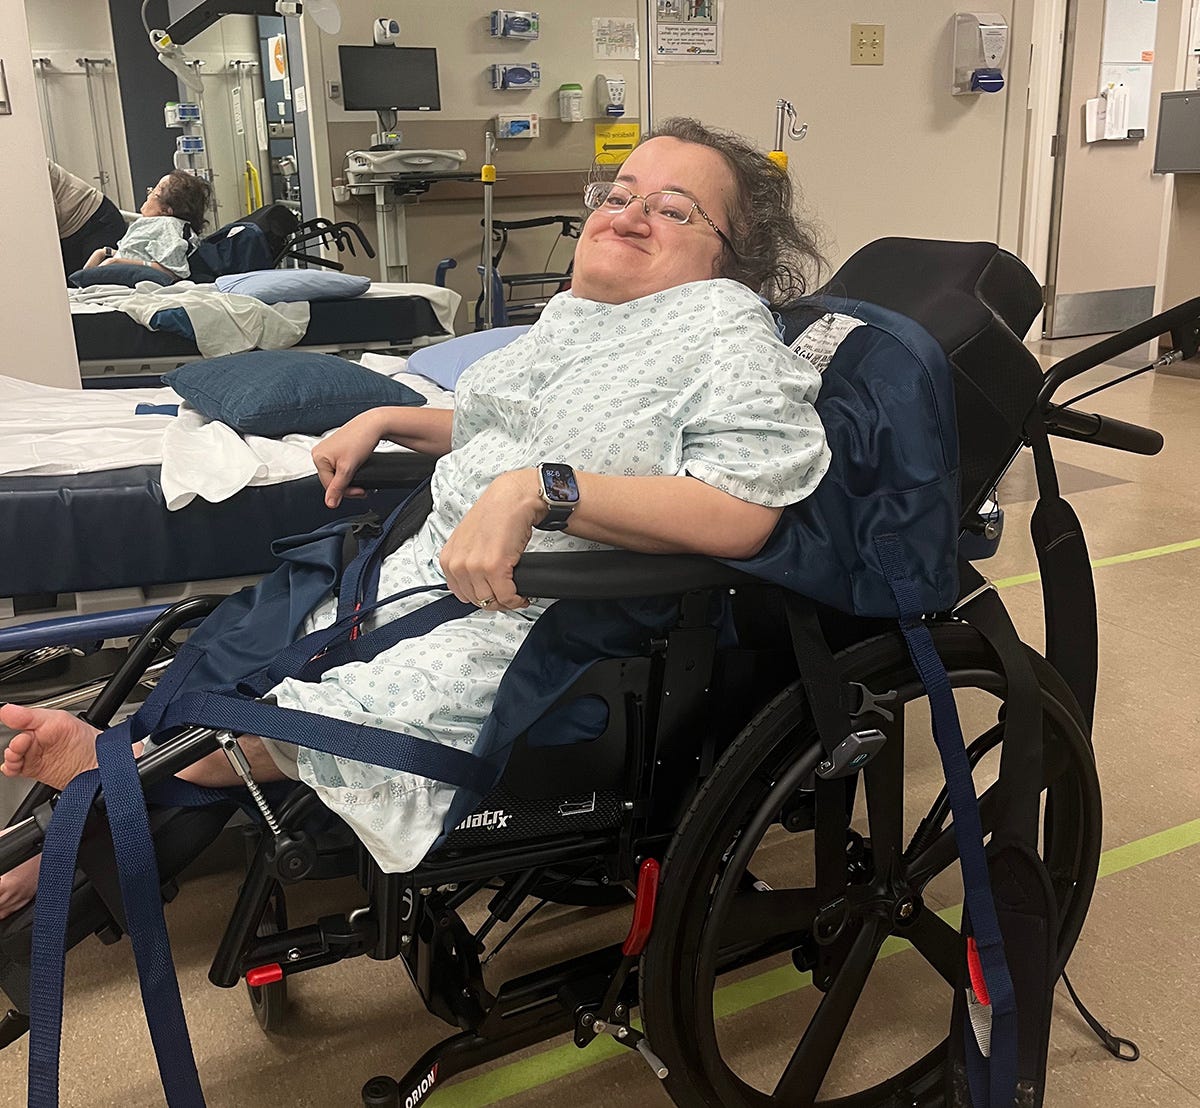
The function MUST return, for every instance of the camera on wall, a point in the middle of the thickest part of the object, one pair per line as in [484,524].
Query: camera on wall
[387,32]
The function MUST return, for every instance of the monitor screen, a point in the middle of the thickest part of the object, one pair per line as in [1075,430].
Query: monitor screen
[389,78]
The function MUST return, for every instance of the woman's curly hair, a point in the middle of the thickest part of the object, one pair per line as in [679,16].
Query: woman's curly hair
[775,253]
[187,197]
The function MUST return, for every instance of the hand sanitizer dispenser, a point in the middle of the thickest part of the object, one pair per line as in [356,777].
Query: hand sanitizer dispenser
[610,96]
[980,47]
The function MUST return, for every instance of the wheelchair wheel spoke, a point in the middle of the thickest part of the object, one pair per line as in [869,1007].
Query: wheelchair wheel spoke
[760,916]
[942,853]
[938,943]
[806,1070]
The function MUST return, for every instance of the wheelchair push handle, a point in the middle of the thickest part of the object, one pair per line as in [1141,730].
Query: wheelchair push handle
[1182,323]
[1102,430]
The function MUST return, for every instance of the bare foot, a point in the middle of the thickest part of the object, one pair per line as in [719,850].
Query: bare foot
[18,886]
[50,746]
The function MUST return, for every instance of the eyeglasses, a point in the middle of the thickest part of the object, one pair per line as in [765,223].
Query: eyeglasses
[670,207]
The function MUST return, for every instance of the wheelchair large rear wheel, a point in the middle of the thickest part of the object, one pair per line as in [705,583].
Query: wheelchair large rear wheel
[743,996]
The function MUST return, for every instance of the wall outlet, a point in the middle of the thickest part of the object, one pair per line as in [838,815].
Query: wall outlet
[866,44]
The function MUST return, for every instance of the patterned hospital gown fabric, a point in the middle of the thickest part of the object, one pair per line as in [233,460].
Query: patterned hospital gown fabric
[158,238]
[687,381]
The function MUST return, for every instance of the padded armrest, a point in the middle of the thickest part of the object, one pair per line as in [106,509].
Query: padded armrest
[391,469]
[617,574]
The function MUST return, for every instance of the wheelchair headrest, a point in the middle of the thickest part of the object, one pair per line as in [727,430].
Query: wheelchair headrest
[977,301]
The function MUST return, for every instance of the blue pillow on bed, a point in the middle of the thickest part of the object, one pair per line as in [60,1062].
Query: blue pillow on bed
[275,286]
[122,273]
[283,392]
[444,362]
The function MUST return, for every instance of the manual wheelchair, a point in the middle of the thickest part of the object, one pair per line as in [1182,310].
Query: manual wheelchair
[706,762]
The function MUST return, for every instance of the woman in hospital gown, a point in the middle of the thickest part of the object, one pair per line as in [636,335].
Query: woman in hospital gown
[688,381]
[658,378]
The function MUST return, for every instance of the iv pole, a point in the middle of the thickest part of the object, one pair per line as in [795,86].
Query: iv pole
[785,127]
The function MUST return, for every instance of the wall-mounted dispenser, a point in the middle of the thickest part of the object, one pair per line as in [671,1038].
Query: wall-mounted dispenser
[610,95]
[980,48]
[516,76]
[386,31]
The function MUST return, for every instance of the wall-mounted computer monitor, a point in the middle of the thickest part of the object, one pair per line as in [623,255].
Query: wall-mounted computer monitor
[389,78]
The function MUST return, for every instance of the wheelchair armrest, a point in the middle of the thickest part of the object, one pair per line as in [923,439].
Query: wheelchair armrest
[617,574]
[390,469]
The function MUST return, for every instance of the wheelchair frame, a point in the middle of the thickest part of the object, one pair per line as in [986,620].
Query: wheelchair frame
[660,787]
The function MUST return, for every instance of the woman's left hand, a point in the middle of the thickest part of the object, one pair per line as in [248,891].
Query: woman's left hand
[479,557]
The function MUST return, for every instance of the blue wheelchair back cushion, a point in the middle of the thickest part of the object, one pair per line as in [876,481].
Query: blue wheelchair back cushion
[237,248]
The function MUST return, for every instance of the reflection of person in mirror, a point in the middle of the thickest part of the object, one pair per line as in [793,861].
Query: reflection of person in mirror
[87,219]
[171,218]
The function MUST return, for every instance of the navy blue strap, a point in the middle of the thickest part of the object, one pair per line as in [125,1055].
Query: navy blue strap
[56,881]
[137,867]
[294,660]
[374,745]
[968,834]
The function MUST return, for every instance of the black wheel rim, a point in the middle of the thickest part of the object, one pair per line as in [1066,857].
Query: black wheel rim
[1070,837]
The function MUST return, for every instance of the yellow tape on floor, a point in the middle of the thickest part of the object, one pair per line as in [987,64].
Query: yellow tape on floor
[547,1065]
[1114,560]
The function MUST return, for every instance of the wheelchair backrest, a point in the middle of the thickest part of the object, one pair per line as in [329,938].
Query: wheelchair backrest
[256,242]
[977,301]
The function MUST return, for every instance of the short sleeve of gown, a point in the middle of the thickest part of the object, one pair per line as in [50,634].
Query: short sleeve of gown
[755,433]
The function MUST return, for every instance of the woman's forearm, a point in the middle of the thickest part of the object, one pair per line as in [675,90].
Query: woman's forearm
[661,515]
[425,430]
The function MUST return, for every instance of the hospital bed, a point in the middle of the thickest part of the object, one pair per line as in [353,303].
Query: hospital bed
[387,316]
[711,761]
[75,588]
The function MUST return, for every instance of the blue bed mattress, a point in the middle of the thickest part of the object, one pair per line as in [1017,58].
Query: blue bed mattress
[111,530]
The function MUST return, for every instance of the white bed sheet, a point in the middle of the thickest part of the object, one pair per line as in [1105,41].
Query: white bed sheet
[46,431]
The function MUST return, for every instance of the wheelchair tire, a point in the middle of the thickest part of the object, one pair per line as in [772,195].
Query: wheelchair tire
[269,1003]
[708,880]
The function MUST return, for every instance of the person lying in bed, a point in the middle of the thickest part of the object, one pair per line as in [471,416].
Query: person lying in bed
[658,378]
[172,216]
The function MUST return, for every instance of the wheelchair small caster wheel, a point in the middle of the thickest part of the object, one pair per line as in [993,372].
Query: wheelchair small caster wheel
[269,1003]
[381,1092]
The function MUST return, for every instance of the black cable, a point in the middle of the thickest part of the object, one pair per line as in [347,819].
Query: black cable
[1108,385]
[1114,1044]
[515,928]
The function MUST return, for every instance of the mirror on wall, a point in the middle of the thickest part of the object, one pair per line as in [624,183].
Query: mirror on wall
[104,97]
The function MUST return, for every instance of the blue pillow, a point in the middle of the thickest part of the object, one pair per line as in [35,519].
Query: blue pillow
[444,362]
[274,286]
[123,273]
[283,392]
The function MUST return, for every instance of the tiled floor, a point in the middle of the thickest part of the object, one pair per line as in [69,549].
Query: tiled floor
[1135,966]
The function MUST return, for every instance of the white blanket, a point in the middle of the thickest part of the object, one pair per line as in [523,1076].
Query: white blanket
[223,322]
[52,431]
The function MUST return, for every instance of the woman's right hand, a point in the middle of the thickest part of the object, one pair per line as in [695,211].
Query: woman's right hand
[338,457]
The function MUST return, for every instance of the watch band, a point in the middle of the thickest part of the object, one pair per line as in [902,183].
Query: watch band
[556,518]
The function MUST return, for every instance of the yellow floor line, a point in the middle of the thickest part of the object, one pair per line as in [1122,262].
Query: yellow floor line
[1114,560]
[548,1065]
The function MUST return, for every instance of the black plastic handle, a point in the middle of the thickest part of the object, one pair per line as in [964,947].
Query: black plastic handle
[1102,430]
[392,469]
[619,574]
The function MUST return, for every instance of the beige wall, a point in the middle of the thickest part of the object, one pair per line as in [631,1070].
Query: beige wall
[440,228]
[36,343]
[889,150]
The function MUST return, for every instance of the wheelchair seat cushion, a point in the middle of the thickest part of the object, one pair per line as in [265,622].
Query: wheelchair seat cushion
[283,392]
[275,286]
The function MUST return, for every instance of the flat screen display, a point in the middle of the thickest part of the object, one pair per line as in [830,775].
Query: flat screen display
[389,78]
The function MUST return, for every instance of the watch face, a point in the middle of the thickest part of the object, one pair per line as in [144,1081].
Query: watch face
[559,483]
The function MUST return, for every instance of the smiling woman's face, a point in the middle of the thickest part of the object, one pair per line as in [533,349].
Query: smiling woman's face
[625,255]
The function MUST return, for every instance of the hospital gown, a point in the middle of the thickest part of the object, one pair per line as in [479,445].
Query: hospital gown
[158,238]
[688,381]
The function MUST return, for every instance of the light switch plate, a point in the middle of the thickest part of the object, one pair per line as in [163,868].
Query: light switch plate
[866,44]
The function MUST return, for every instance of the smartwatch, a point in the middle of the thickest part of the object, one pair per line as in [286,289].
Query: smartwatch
[560,491]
